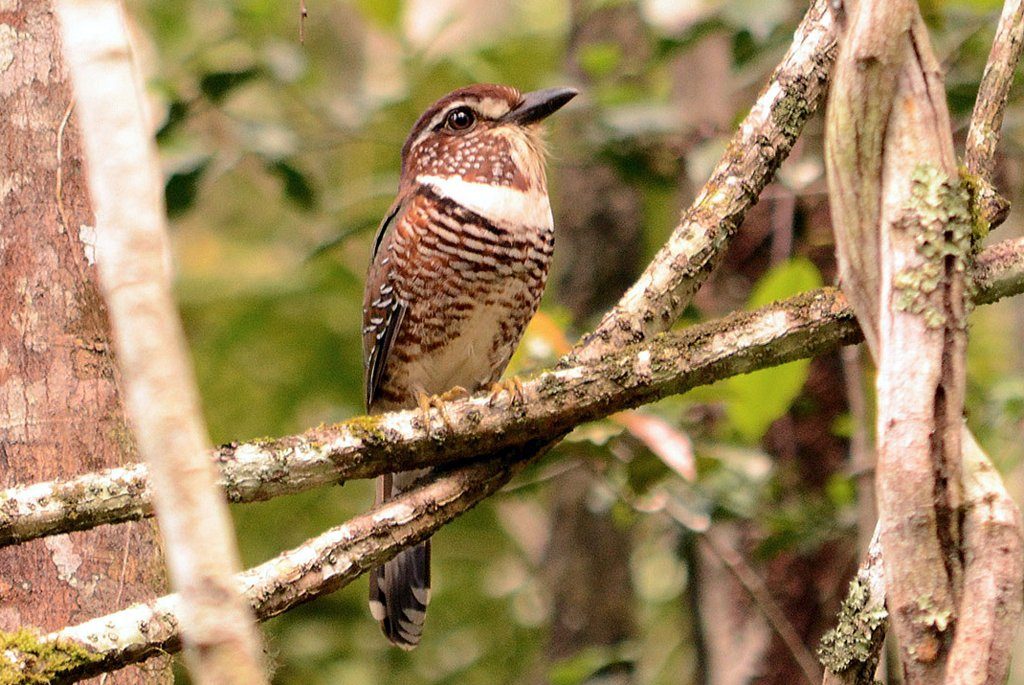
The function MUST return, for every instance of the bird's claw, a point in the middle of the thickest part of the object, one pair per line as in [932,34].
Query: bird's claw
[427,402]
[513,387]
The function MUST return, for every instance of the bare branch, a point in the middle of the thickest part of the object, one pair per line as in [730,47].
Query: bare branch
[769,130]
[162,401]
[696,246]
[987,118]
[553,403]
[364,447]
[317,567]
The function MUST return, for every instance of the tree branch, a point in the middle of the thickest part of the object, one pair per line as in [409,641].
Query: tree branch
[697,244]
[555,402]
[993,552]
[987,118]
[221,642]
[763,141]
[991,605]
[851,650]
[318,566]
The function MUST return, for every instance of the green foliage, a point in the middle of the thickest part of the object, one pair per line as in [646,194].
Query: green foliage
[758,399]
[600,59]
[591,665]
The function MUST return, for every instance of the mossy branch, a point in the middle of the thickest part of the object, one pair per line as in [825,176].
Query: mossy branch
[553,403]
[850,651]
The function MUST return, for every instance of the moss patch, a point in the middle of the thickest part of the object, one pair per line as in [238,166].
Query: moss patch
[938,213]
[852,642]
[26,659]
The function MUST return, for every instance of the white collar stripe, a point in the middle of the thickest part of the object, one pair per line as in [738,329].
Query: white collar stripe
[500,204]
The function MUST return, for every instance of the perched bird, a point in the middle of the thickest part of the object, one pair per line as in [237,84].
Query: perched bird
[457,270]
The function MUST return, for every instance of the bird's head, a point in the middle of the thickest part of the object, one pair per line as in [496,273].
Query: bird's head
[483,134]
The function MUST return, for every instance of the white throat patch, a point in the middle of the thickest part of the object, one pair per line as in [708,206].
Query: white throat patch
[503,205]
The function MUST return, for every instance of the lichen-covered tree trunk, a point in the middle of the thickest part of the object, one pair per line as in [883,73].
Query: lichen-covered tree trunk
[904,241]
[60,406]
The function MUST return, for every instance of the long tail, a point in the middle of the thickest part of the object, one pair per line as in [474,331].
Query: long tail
[400,589]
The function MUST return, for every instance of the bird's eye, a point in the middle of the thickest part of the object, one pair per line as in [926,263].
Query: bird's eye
[460,119]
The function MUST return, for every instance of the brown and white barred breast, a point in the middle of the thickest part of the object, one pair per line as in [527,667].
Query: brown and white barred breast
[461,270]
[464,285]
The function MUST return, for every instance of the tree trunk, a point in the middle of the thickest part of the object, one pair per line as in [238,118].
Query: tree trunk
[60,405]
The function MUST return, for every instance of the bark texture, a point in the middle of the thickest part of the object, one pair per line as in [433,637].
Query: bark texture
[60,393]
[906,226]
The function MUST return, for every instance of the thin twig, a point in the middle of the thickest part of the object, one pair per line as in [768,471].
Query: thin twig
[766,604]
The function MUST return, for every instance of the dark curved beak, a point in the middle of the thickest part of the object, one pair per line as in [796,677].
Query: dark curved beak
[539,104]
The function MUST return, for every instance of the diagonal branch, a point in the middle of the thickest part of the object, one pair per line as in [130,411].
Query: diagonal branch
[987,118]
[555,402]
[764,139]
[769,130]
[317,567]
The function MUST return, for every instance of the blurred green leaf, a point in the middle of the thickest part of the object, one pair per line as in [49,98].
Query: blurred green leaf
[580,668]
[600,59]
[385,13]
[297,186]
[792,277]
[758,399]
[182,187]
[217,85]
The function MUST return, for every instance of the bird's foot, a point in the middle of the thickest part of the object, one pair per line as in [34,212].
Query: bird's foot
[427,402]
[456,393]
[513,387]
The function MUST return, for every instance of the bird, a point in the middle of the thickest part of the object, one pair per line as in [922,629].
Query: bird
[457,270]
